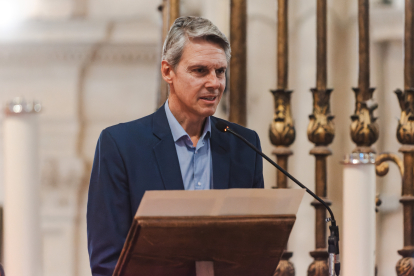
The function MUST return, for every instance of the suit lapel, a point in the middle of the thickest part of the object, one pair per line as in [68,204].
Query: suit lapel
[165,152]
[220,152]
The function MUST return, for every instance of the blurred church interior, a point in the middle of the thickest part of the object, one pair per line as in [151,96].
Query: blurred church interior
[92,64]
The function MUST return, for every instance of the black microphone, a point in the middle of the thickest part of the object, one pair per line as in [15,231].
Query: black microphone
[333,245]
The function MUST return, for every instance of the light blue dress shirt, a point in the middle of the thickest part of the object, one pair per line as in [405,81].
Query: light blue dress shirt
[195,162]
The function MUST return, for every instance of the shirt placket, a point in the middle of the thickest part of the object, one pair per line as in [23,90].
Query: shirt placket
[198,170]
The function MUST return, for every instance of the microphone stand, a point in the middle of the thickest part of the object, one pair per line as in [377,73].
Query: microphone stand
[333,240]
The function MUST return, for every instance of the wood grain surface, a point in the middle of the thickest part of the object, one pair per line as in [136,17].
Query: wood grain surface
[238,245]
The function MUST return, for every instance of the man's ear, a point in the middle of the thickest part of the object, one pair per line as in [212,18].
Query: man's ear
[167,71]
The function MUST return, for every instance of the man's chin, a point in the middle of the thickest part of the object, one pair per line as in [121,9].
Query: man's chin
[206,112]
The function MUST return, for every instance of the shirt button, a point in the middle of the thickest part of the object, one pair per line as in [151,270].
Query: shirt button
[199,183]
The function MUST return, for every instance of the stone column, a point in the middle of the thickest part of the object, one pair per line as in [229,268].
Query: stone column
[22,240]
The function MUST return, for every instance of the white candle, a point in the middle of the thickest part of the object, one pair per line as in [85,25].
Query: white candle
[358,238]
[22,240]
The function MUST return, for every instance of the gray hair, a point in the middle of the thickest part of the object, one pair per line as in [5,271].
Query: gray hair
[188,27]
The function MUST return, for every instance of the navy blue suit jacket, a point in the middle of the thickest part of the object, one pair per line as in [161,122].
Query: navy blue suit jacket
[137,156]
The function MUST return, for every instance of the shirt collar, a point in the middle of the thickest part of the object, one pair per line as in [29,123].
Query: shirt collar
[178,131]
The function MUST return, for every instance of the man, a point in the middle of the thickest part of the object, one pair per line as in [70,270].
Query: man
[177,147]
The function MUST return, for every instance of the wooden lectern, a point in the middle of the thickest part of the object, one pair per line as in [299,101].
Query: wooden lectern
[204,233]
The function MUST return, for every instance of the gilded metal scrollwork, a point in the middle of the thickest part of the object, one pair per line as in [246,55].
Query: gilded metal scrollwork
[285,268]
[381,167]
[321,128]
[364,128]
[318,267]
[282,130]
[405,130]
[405,267]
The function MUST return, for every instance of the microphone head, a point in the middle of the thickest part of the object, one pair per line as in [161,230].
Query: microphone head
[221,125]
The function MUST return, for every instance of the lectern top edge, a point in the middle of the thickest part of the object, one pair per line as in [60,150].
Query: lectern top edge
[231,202]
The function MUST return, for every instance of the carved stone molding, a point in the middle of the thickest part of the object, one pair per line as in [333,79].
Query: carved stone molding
[60,178]
[76,53]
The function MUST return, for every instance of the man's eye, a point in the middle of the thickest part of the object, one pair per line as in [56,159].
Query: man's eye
[199,70]
[220,71]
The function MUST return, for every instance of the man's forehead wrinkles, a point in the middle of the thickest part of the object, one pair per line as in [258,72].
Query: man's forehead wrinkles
[203,50]
[209,50]
[206,56]
[210,64]
[207,60]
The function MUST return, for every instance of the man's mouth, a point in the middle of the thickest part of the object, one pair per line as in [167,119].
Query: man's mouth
[208,98]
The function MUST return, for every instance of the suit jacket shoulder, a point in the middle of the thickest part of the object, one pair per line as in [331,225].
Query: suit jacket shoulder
[139,130]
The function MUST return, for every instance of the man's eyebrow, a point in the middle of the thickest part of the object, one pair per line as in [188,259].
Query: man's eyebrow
[204,67]
[197,66]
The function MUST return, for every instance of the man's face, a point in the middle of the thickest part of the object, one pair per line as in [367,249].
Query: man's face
[197,83]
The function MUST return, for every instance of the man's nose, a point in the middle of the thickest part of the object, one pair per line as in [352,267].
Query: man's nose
[213,81]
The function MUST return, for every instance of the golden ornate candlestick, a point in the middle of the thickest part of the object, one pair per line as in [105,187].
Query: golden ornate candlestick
[321,131]
[282,130]
[364,129]
[405,135]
